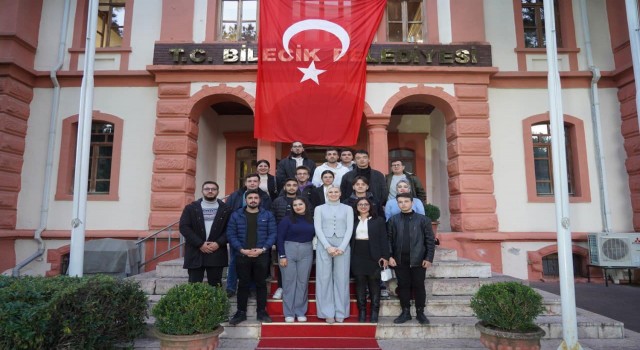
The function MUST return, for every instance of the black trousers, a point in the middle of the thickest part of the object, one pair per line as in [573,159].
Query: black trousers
[214,275]
[253,270]
[411,278]
[373,283]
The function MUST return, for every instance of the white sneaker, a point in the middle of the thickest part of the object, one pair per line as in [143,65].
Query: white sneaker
[289,319]
[302,318]
[278,294]
[384,294]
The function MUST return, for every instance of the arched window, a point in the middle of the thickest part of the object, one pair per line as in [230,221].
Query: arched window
[541,139]
[104,157]
[539,161]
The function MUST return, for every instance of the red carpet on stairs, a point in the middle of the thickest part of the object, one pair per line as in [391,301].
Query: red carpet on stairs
[315,333]
[318,343]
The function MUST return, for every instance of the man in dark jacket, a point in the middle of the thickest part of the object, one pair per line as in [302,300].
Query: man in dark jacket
[251,182]
[377,183]
[412,249]
[203,224]
[251,233]
[236,201]
[287,167]
[281,207]
[398,173]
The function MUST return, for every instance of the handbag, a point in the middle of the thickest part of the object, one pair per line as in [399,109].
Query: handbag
[386,274]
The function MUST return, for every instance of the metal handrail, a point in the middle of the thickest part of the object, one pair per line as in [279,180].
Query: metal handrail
[155,236]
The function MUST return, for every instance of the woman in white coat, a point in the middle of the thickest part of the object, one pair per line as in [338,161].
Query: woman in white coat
[333,223]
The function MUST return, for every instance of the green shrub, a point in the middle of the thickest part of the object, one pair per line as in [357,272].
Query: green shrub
[66,312]
[432,212]
[192,308]
[510,306]
[101,311]
[26,308]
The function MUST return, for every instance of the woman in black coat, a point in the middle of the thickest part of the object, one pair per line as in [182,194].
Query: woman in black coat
[369,252]
[267,181]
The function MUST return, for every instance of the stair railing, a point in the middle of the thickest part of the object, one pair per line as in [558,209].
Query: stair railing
[165,233]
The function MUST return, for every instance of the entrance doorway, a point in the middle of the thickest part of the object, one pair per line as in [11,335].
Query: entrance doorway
[246,163]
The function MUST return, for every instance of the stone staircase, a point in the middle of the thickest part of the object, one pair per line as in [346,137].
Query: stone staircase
[451,282]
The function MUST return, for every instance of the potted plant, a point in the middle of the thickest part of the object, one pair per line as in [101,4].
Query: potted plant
[433,212]
[189,316]
[507,311]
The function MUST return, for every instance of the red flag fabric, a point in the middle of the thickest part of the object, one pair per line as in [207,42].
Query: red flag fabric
[312,69]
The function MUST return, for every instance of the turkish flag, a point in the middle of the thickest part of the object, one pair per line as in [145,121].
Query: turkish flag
[312,69]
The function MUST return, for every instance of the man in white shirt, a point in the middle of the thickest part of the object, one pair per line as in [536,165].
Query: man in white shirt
[332,164]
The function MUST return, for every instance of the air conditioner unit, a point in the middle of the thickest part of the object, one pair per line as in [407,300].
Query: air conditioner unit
[614,249]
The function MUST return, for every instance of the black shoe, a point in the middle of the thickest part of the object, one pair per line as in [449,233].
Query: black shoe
[362,315]
[404,316]
[238,317]
[230,293]
[421,317]
[374,316]
[263,317]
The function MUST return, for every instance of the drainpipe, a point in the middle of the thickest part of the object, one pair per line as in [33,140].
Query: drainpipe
[595,120]
[634,42]
[55,102]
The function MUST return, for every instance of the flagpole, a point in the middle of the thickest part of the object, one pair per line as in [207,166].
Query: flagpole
[560,186]
[81,174]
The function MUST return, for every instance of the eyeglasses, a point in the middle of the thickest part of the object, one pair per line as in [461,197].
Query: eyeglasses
[396,165]
[209,189]
[296,146]
[363,205]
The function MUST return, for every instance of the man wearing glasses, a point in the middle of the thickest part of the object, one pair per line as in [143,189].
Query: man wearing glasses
[287,167]
[203,224]
[398,173]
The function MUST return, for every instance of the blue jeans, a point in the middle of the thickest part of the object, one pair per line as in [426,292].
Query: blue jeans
[232,276]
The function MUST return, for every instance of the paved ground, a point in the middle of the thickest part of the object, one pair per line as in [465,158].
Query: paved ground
[620,302]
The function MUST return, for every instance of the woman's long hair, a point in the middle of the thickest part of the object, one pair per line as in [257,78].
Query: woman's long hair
[308,214]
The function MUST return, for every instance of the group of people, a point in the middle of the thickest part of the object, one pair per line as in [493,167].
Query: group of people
[356,220]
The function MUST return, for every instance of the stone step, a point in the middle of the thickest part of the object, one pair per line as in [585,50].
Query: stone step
[445,254]
[173,268]
[460,268]
[590,326]
[450,306]
[463,286]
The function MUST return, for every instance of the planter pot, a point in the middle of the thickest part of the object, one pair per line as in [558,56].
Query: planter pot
[206,341]
[504,340]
